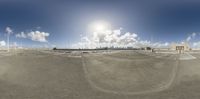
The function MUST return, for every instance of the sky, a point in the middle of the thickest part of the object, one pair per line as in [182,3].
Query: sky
[67,23]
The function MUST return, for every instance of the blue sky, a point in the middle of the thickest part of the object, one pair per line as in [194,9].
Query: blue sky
[66,20]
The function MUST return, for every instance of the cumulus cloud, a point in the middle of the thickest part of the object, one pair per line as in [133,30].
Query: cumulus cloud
[108,38]
[115,38]
[160,45]
[34,35]
[145,43]
[38,36]
[191,36]
[194,40]
[9,30]
[2,43]
[21,35]
[196,44]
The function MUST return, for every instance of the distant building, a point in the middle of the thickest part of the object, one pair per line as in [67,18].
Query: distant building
[180,47]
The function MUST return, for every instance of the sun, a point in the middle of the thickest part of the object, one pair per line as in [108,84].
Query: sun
[99,26]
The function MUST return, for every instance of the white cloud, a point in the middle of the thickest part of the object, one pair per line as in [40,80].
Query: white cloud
[9,30]
[161,45]
[196,44]
[145,43]
[107,38]
[21,35]
[34,35]
[38,36]
[2,43]
[115,38]
[191,36]
[188,38]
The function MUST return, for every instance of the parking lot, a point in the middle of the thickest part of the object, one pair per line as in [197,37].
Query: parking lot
[39,74]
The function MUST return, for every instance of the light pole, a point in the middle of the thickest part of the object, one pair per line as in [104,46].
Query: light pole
[8,45]
[8,31]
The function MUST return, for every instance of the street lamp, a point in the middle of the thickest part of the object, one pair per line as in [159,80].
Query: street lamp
[8,31]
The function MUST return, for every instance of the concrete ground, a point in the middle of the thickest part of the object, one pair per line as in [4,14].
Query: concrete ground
[120,75]
[129,72]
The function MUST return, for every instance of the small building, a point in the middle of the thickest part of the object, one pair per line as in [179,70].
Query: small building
[148,48]
[145,48]
[180,47]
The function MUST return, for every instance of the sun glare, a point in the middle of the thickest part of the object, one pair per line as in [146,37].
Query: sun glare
[99,26]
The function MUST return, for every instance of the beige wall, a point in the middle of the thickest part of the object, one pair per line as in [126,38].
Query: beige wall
[186,46]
